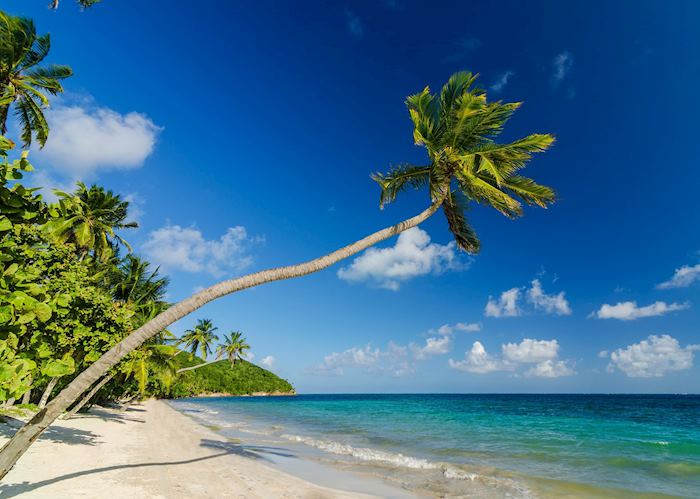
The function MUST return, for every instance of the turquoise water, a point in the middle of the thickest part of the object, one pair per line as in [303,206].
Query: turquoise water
[528,445]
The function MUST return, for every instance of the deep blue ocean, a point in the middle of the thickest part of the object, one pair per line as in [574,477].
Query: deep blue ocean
[481,445]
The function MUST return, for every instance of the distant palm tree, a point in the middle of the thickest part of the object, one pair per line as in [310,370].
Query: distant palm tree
[89,218]
[200,338]
[22,82]
[464,164]
[234,347]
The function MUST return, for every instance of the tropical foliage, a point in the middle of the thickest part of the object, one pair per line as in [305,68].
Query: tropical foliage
[24,84]
[200,339]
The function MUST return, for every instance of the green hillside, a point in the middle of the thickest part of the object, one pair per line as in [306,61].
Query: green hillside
[221,377]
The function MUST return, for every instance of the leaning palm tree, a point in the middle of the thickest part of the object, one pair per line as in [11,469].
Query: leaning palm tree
[465,165]
[200,338]
[23,83]
[89,218]
[234,347]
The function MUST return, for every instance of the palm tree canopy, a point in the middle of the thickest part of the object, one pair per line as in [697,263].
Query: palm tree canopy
[22,81]
[135,283]
[233,347]
[458,128]
[200,338]
[89,218]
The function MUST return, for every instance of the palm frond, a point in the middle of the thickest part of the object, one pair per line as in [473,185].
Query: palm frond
[529,191]
[399,179]
[454,207]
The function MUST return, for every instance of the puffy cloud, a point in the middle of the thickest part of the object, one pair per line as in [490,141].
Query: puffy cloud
[551,304]
[184,248]
[433,346]
[505,306]
[562,65]
[682,277]
[413,255]
[542,353]
[603,354]
[502,81]
[530,351]
[268,361]
[509,304]
[477,361]
[652,357]
[86,138]
[550,369]
[628,310]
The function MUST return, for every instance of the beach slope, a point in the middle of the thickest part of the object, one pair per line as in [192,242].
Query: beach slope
[149,450]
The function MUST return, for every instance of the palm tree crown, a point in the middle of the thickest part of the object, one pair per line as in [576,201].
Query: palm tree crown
[89,217]
[458,128]
[22,81]
[200,338]
[233,347]
[135,283]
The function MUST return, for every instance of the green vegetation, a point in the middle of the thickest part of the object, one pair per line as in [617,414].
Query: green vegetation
[241,378]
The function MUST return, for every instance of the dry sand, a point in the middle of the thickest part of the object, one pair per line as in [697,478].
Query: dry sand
[148,451]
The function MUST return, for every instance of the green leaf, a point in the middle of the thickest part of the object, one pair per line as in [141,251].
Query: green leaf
[58,367]
[5,224]
[42,311]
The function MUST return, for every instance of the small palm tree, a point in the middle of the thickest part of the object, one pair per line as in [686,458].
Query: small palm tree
[200,338]
[234,347]
[22,82]
[89,218]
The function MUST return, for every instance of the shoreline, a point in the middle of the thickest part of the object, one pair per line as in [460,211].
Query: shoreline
[153,450]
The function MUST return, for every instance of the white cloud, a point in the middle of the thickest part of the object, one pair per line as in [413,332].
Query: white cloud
[86,138]
[682,277]
[136,204]
[502,81]
[413,255]
[433,346]
[652,357]
[628,310]
[354,24]
[447,329]
[184,248]
[268,361]
[530,351]
[543,353]
[551,304]
[550,369]
[603,354]
[505,306]
[509,303]
[393,360]
[562,65]
[477,361]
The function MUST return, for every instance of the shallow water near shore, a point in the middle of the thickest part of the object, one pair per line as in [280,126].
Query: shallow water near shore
[482,445]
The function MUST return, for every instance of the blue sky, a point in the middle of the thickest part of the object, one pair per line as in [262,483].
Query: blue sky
[245,135]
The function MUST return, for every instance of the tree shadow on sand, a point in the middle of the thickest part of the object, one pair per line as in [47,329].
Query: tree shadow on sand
[227,448]
[57,434]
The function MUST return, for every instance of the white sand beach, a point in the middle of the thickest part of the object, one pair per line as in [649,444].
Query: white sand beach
[151,451]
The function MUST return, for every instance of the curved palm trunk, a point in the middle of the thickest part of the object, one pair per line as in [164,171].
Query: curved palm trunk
[191,368]
[47,393]
[26,435]
[87,397]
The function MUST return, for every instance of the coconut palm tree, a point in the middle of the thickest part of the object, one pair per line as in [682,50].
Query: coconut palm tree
[23,83]
[200,338]
[464,165]
[234,347]
[89,218]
